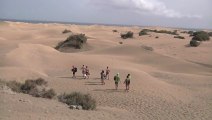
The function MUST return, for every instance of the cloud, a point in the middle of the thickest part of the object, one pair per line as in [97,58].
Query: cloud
[155,7]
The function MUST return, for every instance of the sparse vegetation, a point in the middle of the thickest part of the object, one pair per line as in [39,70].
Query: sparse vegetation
[129,34]
[200,36]
[159,31]
[66,31]
[191,33]
[14,86]
[143,32]
[49,94]
[36,88]
[185,32]
[75,41]
[210,34]
[180,37]
[120,42]
[194,43]
[115,30]
[76,98]
[166,31]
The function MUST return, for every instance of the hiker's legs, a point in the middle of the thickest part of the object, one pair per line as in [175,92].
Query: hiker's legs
[84,76]
[74,75]
[116,85]
[127,87]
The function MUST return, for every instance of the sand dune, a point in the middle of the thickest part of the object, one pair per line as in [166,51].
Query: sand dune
[171,81]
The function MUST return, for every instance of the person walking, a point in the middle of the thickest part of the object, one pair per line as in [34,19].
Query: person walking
[127,82]
[74,70]
[102,77]
[107,73]
[87,72]
[116,80]
[83,71]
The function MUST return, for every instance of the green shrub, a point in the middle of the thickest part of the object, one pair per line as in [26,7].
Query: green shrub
[143,32]
[184,32]
[14,86]
[120,42]
[201,36]
[167,32]
[76,98]
[115,31]
[66,31]
[49,94]
[180,37]
[129,34]
[76,41]
[36,88]
[29,86]
[40,81]
[191,33]
[162,31]
[194,43]
[210,34]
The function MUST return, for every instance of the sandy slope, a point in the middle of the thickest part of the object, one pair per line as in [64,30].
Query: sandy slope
[171,82]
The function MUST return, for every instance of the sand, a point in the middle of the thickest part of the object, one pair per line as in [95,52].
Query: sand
[170,82]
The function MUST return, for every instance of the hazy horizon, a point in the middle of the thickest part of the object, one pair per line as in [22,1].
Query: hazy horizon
[175,14]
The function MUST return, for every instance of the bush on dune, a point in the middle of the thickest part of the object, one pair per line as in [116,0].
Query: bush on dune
[76,98]
[194,43]
[191,33]
[76,41]
[66,31]
[115,30]
[210,34]
[36,88]
[49,94]
[129,34]
[200,36]
[143,32]
[167,32]
[180,37]
[14,86]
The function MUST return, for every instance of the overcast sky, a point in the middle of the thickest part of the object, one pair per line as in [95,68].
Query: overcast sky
[171,13]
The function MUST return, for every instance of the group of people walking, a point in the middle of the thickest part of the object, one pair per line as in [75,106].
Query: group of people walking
[85,72]
[126,81]
[103,75]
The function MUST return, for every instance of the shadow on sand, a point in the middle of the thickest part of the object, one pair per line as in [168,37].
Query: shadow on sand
[110,90]
[93,83]
[77,78]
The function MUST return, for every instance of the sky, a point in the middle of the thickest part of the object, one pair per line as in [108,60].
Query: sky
[167,13]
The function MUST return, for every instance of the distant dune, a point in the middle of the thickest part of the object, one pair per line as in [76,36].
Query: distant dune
[169,79]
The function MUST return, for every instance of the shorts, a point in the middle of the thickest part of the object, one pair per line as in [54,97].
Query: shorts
[127,82]
[116,83]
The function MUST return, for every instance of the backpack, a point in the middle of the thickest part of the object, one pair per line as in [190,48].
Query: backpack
[114,78]
[75,69]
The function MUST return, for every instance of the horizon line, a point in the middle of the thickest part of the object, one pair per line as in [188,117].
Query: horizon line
[89,23]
